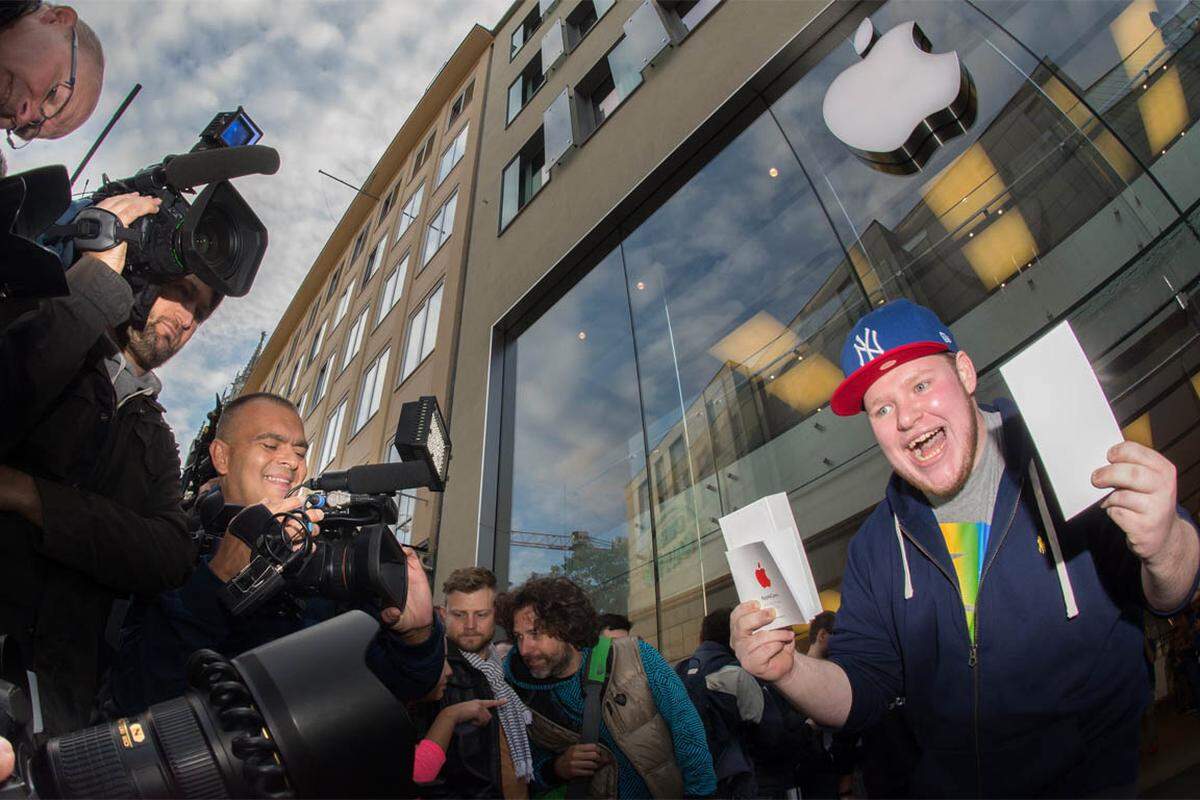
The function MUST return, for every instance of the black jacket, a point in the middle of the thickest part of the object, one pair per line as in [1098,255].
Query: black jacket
[160,634]
[473,758]
[108,479]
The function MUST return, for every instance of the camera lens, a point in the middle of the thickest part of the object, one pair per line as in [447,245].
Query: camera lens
[161,753]
[216,241]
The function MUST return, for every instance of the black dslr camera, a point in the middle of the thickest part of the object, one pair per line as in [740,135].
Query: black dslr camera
[356,558]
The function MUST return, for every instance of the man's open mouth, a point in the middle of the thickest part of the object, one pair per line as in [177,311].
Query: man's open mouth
[928,446]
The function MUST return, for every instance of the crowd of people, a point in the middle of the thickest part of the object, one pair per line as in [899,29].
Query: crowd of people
[923,682]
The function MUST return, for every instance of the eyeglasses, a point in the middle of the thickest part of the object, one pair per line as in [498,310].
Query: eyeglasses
[52,105]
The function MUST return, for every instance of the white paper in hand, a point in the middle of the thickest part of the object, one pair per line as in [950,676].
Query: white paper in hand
[1066,413]
[757,577]
[769,520]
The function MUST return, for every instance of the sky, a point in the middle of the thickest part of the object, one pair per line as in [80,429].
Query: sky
[329,83]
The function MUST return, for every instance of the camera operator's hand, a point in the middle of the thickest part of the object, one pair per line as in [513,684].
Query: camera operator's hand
[7,759]
[415,623]
[233,554]
[129,208]
[579,761]
[19,493]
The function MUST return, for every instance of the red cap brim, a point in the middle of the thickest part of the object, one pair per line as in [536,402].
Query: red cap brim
[847,398]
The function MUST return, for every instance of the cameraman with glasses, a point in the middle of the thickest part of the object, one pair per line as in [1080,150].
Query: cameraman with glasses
[51,71]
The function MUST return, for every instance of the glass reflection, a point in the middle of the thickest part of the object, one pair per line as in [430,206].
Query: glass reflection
[577,440]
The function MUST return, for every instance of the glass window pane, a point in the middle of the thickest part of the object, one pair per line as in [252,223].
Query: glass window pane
[645,35]
[333,436]
[411,209]
[553,45]
[518,39]
[573,453]
[412,353]
[557,129]
[510,196]
[626,66]
[432,315]
[602,6]
[516,98]
[544,7]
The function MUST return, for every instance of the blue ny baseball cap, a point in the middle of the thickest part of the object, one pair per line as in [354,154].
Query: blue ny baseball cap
[889,336]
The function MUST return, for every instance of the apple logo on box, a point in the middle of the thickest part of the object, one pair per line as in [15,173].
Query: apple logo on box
[901,102]
[760,575]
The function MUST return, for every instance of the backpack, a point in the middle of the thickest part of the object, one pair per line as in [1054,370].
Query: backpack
[725,732]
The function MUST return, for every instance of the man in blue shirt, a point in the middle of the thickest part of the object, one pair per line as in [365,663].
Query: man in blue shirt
[651,742]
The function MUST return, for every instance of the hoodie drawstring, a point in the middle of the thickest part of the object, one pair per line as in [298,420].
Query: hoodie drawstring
[908,588]
[1064,579]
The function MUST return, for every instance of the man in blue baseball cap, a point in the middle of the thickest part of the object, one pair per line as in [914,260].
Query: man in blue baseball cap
[1014,637]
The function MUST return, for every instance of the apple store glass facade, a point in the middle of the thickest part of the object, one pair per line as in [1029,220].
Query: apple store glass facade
[688,372]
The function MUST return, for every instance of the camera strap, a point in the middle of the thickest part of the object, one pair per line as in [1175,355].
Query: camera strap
[94,229]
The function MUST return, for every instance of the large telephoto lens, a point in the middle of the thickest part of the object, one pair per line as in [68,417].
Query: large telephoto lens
[303,716]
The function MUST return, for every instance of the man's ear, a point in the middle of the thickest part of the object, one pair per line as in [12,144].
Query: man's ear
[61,15]
[965,368]
[218,451]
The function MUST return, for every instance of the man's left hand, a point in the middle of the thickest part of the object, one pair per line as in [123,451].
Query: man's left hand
[415,622]
[19,493]
[1143,500]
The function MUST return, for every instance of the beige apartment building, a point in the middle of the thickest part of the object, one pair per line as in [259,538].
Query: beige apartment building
[375,321]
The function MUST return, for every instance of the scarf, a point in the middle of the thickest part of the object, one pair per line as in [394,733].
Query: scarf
[514,715]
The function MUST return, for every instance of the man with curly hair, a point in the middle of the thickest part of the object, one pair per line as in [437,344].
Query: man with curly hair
[650,741]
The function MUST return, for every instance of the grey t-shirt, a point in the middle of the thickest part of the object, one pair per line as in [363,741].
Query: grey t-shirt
[976,500]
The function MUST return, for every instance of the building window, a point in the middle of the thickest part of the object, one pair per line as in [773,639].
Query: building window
[312,316]
[392,288]
[524,32]
[522,90]
[343,304]
[440,228]
[689,13]
[372,390]
[605,87]
[374,259]
[452,155]
[460,103]
[332,437]
[333,284]
[422,332]
[359,243]
[583,18]
[522,178]
[317,341]
[275,374]
[300,405]
[354,340]
[406,504]
[411,209]
[422,155]
[388,202]
[322,379]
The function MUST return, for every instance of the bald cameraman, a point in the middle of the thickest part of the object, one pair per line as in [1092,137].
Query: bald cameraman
[259,452]
[51,71]
[89,469]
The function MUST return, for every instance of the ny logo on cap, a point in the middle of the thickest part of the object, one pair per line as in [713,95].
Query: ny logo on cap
[866,346]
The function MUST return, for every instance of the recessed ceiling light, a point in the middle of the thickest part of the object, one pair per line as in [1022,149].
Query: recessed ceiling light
[641,286]
[582,335]
[774,173]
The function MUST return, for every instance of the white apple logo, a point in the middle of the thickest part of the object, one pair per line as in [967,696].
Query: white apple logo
[901,102]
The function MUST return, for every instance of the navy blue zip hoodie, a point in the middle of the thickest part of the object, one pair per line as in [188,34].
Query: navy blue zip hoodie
[1043,704]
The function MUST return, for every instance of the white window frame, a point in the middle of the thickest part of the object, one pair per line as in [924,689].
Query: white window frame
[295,377]
[343,303]
[318,342]
[420,342]
[355,338]
[437,232]
[322,381]
[374,259]
[452,155]
[332,436]
[410,211]
[370,393]
[393,288]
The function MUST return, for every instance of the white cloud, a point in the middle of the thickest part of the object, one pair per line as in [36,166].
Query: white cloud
[330,84]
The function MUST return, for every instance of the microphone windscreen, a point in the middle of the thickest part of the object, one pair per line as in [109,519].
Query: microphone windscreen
[377,478]
[220,164]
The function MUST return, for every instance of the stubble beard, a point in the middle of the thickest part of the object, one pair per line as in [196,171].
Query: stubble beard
[965,467]
[150,349]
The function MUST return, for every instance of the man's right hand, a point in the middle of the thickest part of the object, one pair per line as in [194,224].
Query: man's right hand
[579,761]
[7,759]
[129,208]
[767,655]
[233,554]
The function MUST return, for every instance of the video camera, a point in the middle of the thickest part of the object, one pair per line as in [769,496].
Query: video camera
[269,723]
[216,237]
[357,558]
